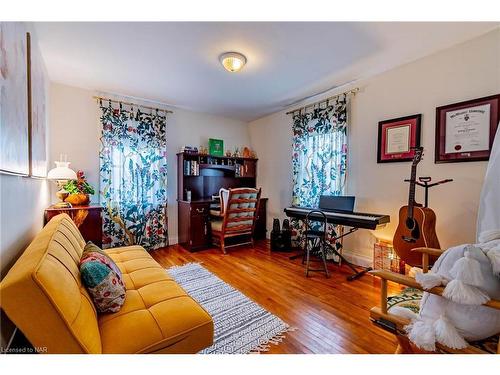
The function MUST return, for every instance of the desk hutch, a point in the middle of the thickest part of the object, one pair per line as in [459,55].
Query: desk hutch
[203,176]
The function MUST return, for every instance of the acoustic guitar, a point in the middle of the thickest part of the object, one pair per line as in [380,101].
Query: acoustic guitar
[417,224]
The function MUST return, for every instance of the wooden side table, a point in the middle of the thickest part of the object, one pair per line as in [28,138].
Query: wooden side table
[88,219]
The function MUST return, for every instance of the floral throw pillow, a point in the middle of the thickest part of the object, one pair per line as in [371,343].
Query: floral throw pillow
[94,252]
[102,278]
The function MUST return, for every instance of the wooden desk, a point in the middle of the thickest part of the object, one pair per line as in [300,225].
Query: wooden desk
[88,219]
[194,227]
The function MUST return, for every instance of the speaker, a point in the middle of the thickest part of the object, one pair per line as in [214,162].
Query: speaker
[281,240]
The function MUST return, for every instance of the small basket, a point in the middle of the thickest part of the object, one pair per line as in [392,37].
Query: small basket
[385,258]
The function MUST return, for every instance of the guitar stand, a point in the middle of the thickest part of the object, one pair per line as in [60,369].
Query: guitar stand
[424,182]
[357,274]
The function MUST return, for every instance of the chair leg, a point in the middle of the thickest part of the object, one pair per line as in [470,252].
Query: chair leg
[222,245]
[323,257]
[341,251]
[307,259]
[304,252]
[404,346]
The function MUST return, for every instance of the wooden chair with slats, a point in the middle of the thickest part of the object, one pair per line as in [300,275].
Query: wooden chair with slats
[239,208]
[383,317]
[219,213]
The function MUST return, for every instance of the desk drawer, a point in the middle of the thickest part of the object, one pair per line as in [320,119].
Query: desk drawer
[200,209]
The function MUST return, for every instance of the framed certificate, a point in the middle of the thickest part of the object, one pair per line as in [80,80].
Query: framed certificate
[397,138]
[465,130]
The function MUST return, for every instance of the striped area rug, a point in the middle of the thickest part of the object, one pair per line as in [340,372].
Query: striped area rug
[241,325]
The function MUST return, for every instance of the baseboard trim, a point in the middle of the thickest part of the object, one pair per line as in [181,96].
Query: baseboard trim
[172,240]
[358,259]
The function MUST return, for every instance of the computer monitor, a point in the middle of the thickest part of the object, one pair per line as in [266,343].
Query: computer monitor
[336,203]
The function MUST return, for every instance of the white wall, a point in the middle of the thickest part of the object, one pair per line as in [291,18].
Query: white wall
[466,71]
[74,117]
[23,202]
[74,120]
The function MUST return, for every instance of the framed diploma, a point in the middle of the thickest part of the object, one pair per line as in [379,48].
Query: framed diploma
[465,130]
[397,138]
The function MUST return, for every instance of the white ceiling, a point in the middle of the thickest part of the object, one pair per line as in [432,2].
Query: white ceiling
[177,63]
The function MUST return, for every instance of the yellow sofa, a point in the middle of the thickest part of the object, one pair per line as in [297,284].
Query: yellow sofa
[43,295]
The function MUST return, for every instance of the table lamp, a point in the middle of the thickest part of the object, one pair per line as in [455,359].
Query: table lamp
[61,174]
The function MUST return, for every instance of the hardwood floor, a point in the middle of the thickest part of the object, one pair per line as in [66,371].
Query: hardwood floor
[331,315]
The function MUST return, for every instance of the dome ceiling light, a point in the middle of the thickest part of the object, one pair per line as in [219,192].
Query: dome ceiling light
[232,61]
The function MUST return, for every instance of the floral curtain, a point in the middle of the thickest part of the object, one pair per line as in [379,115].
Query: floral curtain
[319,158]
[133,178]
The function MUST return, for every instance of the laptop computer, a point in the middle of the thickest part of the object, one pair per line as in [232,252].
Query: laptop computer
[337,203]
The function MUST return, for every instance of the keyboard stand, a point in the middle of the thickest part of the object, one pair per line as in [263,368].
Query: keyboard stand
[357,274]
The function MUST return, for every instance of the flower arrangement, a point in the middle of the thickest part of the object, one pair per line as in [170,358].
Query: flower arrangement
[79,190]
[79,186]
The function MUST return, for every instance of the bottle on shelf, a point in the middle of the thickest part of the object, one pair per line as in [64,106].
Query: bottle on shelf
[195,168]
[237,170]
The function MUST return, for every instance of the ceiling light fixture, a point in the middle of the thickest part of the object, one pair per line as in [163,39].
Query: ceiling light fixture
[232,61]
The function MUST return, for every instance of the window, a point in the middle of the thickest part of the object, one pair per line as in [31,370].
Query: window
[133,184]
[319,154]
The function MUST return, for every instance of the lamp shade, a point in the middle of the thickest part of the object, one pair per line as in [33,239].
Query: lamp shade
[62,171]
[232,61]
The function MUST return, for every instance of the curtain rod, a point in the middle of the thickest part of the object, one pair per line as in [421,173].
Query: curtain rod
[131,104]
[352,91]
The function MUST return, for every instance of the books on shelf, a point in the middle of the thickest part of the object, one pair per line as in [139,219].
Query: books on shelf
[191,168]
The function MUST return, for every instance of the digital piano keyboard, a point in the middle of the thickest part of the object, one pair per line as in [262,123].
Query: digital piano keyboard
[348,219]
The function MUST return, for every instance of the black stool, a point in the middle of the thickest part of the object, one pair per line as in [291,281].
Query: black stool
[315,240]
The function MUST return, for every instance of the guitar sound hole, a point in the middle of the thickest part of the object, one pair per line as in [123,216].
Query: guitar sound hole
[410,223]
[412,226]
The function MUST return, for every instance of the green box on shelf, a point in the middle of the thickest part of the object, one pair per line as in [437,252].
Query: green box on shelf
[216,147]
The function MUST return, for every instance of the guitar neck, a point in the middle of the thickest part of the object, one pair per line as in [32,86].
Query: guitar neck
[411,194]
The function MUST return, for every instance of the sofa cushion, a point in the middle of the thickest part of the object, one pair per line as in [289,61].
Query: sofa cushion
[216,225]
[158,315]
[408,298]
[216,213]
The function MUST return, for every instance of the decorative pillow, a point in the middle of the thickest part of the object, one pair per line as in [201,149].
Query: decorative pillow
[469,277]
[94,252]
[102,278]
